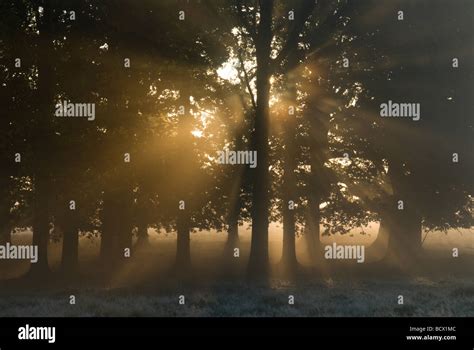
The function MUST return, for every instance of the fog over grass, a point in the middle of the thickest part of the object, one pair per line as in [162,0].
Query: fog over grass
[145,287]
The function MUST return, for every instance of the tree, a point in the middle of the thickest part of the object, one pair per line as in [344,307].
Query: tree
[423,179]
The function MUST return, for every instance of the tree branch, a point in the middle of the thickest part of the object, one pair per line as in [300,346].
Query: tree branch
[251,28]
[301,15]
[247,80]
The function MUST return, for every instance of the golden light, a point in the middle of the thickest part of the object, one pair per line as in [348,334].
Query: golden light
[197,133]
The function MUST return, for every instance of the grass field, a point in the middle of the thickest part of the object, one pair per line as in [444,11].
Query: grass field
[146,286]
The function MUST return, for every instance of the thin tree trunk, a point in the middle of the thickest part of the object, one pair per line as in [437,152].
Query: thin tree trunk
[125,227]
[142,235]
[40,227]
[258,266]
[235,202]
[142,213]
[5,226]
[45,100]
[288,259]
[318,183]
[233,229]
[109,232]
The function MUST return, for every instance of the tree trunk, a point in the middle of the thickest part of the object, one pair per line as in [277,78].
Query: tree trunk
[318,187]
[5,235]
[312,230]
[288,257]
[142,235]
[233,229]
[116,225]
[40,227]
[109,240]
[258,266]
[319,181]
[404,241]
[5,225]
[185,184]
[234,203]
[404,225]
[42,139]
[290,153]
[70,254]
[142,212]
[379,248]
[183,249]
[125,226]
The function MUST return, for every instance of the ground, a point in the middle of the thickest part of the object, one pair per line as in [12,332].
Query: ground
[325,298]
[147,286]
